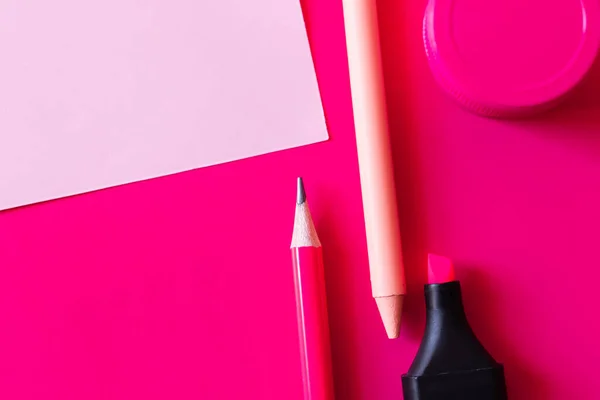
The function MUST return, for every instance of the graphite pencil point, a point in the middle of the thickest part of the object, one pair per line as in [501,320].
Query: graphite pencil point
[301,194]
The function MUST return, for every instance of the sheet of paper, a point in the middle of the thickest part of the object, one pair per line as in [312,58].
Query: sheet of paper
[95,94]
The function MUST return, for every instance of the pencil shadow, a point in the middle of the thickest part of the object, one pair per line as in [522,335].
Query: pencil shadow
[341,289]
[482,300]
[397,37]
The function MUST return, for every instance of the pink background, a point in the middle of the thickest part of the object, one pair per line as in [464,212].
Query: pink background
[181,287]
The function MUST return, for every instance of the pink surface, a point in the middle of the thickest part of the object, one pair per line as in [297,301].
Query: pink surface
[181,287]
[510,57]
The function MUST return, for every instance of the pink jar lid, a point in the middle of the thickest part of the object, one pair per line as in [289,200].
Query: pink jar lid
[510,57]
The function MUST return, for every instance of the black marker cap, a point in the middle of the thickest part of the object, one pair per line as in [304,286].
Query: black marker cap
[451,363]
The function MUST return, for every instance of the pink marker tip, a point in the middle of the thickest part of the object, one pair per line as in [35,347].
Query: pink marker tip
[440,270]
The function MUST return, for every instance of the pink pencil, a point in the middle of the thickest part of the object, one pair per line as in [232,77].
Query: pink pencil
[311,304]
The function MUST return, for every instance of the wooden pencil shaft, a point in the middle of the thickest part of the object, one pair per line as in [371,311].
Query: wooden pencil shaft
[373,147]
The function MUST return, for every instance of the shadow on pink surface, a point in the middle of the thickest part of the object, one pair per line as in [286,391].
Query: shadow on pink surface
[483,306]
[576,121]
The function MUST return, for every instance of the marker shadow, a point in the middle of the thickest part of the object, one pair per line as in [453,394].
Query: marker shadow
[482,300]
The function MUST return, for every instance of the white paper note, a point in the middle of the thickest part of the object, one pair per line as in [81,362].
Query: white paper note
[95,94]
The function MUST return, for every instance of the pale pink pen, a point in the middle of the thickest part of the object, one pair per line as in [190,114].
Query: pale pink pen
[311,304]
[375,163]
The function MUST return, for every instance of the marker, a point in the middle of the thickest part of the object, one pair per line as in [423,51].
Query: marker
[451,363]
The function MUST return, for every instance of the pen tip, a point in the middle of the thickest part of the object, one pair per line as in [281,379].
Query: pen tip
[390,308]
[300,194]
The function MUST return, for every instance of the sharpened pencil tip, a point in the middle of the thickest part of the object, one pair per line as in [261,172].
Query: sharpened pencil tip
[300,194]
